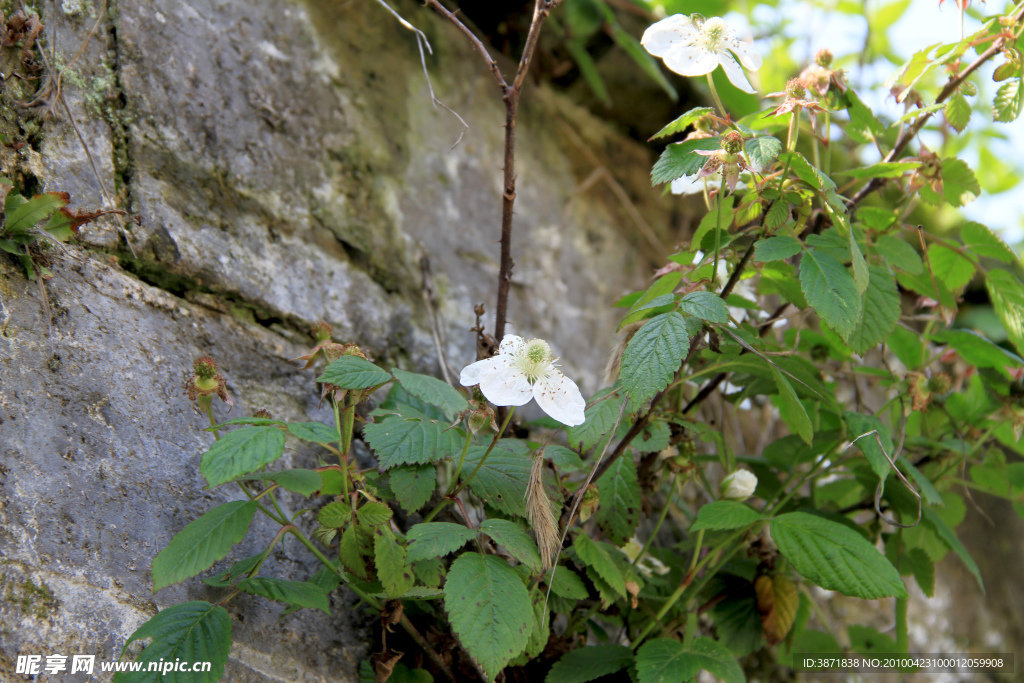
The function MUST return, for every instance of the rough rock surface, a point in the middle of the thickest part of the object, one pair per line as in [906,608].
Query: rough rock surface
[287,167]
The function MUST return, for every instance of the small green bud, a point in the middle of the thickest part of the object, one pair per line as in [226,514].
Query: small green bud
[205,368]
[823,57]
[321,332]
[732,142]
[795,89]
[940,383]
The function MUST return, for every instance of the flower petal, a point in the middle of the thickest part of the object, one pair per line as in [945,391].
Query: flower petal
[471,373]
[560,398]
[687,185]
[735,72]
[659,37]
[690,60]
[504,385]
[748,56]
[511,343]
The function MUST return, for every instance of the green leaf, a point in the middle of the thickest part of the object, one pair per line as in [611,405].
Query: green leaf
[599,417]
[434,539]
[192,631]
[792,410]
[706,306]
[235,571]
[303,482]
[977,350]
[298,593]
[881,311]
[860,266]
[777,216]
[664,660]
[515,540]
[814,178]
[859,425]
[393,568]
[830,289]
[763,151]
[317,432]
[489,609]
[501,481]
[589,663]
[724,514]
[777,248]
[373,513]
[983,242]
[900,254]
[411,442]
[951,268]
[241,451]
[565,460]
[204,541]
[353,372]
[413,485]
[835,556]
[959,184]
[657,295]
[886,169]
[1006,293]
[679,160]
[565,583]
[597,556]
[683,122]
[653,355]
[1008,101]
[31,212]
[335,514]
[654,438]
[932,520]
[923,569]
[433,391]
[958,112]
[587,66]
[619,492]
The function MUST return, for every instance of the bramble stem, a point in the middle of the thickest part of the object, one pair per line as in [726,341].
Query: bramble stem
[718,100]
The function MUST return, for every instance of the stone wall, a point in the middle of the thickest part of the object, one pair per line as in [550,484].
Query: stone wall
[286,166]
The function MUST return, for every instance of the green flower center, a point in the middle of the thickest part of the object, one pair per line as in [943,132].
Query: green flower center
[713,33]
[534,360]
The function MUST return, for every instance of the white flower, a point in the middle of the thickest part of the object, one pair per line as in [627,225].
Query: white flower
[696,48]
[523,370]
[739,485]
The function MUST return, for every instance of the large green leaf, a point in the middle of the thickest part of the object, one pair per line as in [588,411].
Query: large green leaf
[241,451]
[317,432]
[432,391]
[393,568]
[959,184]
[679,160]
[777,248]
[489,609]
[600,418]
[411,442]
[664,660]
[763,150]
[190,632]
[791,409]
[501,481]
[653,355]
[830,289]
[983,242]
[303,482]
[204,541]
[298,593]
[589,663]
[515,540]
[619,492]
[900,254]
[1008,102]
[353,372]
[977,350]
[724,514]
[953,269]
[1007,295]
[413,485]
[880,311]
[597,556]
[706,306]
[434,539]
[835,556]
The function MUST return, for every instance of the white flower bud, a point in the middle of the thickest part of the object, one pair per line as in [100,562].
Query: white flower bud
[739,485]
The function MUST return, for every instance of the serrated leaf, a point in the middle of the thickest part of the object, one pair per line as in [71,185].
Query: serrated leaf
[335,514]
[983,242]
[777,248]
[859,265]
[353,372]
[706,306]
[600,417]
[1008,101]
[664,660]
[433,391]
[830,289]
[192,631]
[724,514]
[654,437]
[436,539]
[932,520]
[204,541]
[857,426]
[413,485]
[951,268]
[501,481]
[565,460]
[597,556]
[763,150]
[959,184]
[589,663]
[881,311]
[683,122]
[430,572]
[373,513]
[679,160]
[885,169]
[411,442]
[565,583]
[791,409]
[515,540]
[1006,293]
[298,593]
[489,609]
[900,254]
[958,112]
[835,557]
[619,492]
[815,178]
[777,601]
[777,216]
[241,451]
[393,568]
[303,482]
[317,432]
[653,355]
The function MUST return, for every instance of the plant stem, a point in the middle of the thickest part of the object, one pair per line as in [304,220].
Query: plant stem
[462,459]
[718,227]
[661,520]
[494,442]
[696,552]
[718,100]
